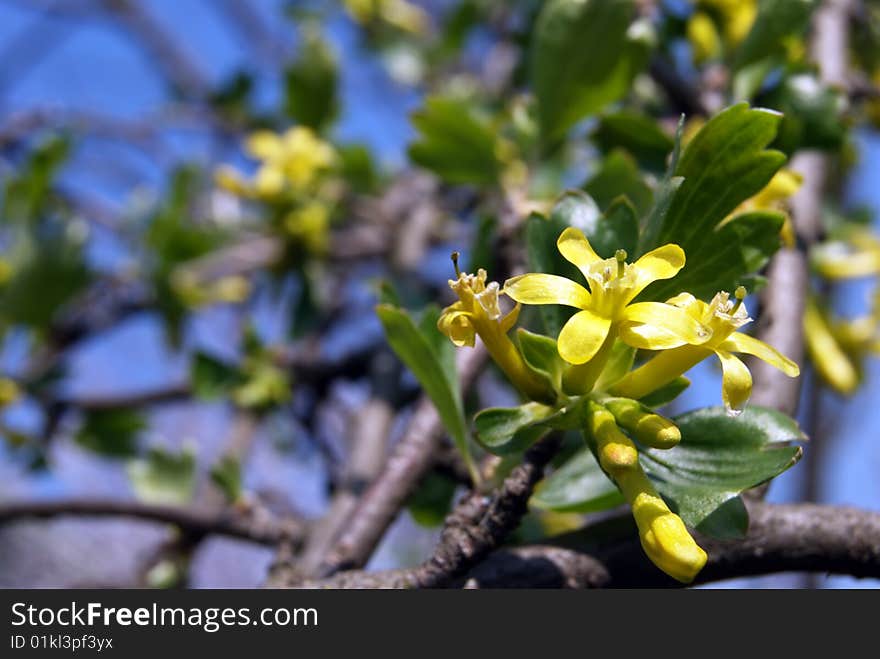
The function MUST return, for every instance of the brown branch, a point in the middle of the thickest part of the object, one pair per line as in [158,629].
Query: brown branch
[257,529]
[408,463]
[607,554]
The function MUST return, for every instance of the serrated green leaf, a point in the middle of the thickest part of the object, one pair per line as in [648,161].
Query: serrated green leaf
[724,164]
[719,457]
[581,60]
[164,477]
[454,143]
[579,485]
[437,377]
[813,114]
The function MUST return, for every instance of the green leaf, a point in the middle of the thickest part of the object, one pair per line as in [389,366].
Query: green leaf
[619,363]
[541,354]
[776,20]
[724,164]
[434,370]
[211,378]
[455,143]
[310,84]
[506,430]
[164,477]
[579,486]
[28,195]
[511,430]
[111,432]
[639,134]
[813,114]
[582,59]
[619,176]
[431,502]
[226,475]
[726,257]
[617,228]
[719,457]
[667,393]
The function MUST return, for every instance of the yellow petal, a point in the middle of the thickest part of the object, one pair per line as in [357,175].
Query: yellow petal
[536,288]
[658,326]
[739,342]
[264,144]
[508,321]
[457,326]
[736,381]
[576,249]
[661,263]
[582,336]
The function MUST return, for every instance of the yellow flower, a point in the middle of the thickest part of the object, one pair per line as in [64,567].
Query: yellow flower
[830,360]
[856,256]
[399,13]
[704,38]
[294,158]
[9,392]
[606,310]
[309,225]
[737,17]
[723,317]
[478,312]
[5,271]
[662,533]
[774,197]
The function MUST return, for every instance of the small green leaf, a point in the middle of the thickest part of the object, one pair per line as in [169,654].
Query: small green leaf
[506,430]
[311,82]
[541,355]
[455,143]
[582,59]
[619,363]
[619,176]
[719,457]
[211,378]
[164,477]
[579,486]
[637,133]
[226,475]
[617,228]
[431,502]
[433,370]
[111,432]
[813,114]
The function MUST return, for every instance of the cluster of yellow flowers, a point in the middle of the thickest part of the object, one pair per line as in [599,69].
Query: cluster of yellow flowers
[683,331]
[292,173]
[836,346]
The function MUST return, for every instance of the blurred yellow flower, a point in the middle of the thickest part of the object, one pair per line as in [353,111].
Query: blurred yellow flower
[704,38]
[736,17]
[9,392]
[399,13]
[774,197]
[832,363]
[309,225]
[723,317]
[292,161]
[858,255]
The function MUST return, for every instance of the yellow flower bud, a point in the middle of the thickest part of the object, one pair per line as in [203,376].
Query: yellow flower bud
[647,427]
[9,392]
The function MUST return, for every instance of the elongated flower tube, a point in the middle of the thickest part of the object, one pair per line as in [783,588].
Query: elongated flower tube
[643,423]
[857,256]
[829,358]
[478,312]
[606,311]
[662,533]
[723,317]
